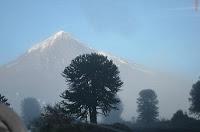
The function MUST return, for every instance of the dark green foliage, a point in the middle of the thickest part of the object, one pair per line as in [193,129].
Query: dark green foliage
[121,127]
[52,117]
[187,124]
[195,99]
[166,130]
[30,110]
[80,127]
[147,106]
[93,82]
[182,120]
[3,100]
[179,116]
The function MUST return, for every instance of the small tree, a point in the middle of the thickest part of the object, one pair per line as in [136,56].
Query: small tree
[30,110]
[195,99]
[93,82]
[147,106]
[52,116]
[3,100]
[179,116]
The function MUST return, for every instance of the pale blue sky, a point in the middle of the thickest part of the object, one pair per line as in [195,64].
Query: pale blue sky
[160,34]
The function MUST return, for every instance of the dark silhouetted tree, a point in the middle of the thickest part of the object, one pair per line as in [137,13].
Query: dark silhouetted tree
[3,100]
[93,82]
[181,120]
[51,117]
[30,110]
[147,106]
[179,116]
[195,99]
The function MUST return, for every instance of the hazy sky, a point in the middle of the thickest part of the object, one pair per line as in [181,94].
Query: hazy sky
[160,34]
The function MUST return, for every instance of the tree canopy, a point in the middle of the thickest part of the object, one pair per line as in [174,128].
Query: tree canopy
[147,106]
[51,117]
[93,82]
[179,116]
[195,99]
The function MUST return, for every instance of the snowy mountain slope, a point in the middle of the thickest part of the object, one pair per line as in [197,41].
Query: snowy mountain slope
[37,73]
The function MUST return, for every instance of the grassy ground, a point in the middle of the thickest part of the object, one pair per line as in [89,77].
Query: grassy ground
[83,127]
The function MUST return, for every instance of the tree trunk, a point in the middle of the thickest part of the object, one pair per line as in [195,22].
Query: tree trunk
[93,115]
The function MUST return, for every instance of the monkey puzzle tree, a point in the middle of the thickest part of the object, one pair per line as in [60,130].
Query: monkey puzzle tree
[3,100]
[93,82]
[147,106]
[195,99]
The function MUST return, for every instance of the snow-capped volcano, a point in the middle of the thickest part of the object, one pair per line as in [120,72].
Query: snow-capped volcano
[37,73]
[60,37]
[50,41]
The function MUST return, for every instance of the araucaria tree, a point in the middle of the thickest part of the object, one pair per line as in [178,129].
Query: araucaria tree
[195,99]
[4,100]
[93,82]
[147,106]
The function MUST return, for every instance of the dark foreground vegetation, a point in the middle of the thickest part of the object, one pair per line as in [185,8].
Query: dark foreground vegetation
[85,127]
[160,126]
